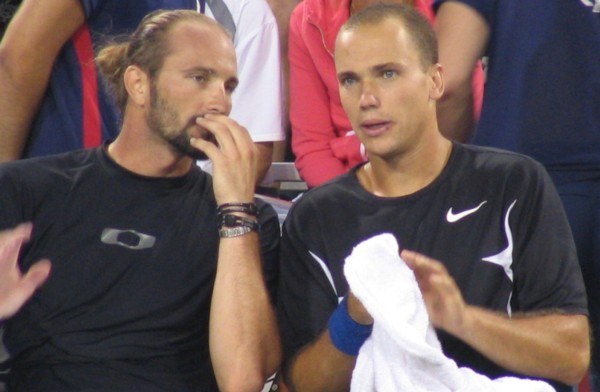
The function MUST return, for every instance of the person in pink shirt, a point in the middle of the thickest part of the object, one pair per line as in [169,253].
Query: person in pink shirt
[323,141]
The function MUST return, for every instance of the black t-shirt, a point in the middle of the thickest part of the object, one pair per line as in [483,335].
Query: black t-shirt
[492,217]
[133,264]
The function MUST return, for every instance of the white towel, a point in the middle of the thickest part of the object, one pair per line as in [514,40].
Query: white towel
[403,352]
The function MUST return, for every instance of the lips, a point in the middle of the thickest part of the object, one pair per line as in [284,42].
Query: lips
[375,127]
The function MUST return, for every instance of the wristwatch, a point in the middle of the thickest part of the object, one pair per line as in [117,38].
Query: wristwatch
[228,232]
[235,226]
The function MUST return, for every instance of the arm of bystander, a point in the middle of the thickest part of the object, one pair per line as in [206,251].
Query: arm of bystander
[462,37]
[28,49]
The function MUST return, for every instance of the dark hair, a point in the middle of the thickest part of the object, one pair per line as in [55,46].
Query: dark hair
[147,48]
[418,27]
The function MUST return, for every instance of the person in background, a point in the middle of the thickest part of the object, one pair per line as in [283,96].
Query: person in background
[323,140]
[542,99]
[257,46]
[282,9]
[160,278]
[483,230]
[53,99]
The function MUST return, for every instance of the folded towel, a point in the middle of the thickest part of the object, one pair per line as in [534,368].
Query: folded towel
[403,352]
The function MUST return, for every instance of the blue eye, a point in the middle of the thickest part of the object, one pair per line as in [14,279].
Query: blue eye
[388,74]
[348,81]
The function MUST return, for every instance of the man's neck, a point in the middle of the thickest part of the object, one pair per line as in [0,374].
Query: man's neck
[146,157]
[407,173]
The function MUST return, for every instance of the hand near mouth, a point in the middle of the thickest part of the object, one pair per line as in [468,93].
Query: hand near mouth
[234,157]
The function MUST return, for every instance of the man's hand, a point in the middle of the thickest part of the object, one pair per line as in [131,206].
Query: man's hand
[552,345]
[235,159]
[16,288]
[442,297]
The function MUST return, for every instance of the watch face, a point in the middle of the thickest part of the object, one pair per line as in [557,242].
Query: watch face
[230,221]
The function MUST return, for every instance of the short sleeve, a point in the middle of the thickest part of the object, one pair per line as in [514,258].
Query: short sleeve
[305,297]
[547,272]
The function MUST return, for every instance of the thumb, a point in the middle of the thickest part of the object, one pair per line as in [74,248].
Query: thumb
[37,275]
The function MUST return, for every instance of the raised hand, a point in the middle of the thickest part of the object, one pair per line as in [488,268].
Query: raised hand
[443,299]
[16,288]
[235,159]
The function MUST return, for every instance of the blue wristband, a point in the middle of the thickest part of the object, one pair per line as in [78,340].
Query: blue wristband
[346,334]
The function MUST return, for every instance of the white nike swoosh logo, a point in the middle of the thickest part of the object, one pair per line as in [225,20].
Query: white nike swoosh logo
[452,217]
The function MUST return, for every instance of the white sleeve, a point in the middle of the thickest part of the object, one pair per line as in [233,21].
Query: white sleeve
[258,99]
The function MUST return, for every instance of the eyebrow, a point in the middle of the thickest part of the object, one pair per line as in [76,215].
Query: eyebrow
[211,72]
[345,74]
[383,67]
[199,69]
[375,68]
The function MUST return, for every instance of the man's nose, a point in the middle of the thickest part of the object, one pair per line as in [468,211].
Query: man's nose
[219,100]
[368,95]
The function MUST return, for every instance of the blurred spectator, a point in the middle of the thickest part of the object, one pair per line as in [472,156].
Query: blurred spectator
[258,99]
[282,9]
[542,98]
[52,98]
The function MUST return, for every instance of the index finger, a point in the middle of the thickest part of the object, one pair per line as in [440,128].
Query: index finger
[423,266]
[218,123]
[10,243]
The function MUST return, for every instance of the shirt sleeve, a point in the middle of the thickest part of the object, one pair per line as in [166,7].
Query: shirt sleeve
[258,99]
[306,296]
[547,272]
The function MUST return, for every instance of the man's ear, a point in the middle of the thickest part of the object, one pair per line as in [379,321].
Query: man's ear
[137,85]
[436,88]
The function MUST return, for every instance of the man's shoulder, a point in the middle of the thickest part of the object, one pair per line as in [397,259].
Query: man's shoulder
[492,167]
[490,158]
[42,178]
[329,198]
[50,164]
[332,189]
[266,211]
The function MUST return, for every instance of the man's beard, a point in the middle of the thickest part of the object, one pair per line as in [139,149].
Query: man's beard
[160,117]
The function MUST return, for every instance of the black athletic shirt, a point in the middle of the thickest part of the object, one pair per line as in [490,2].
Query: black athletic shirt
[492,217]
[127,304]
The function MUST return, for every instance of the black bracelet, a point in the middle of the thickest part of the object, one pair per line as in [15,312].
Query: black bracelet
[235,226]
[238,221]
[246,208]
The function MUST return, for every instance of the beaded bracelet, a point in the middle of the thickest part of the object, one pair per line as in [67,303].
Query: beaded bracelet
[247,208]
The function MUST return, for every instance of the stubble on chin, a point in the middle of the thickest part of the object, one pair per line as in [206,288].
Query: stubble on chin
[181,143]
[160,120]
